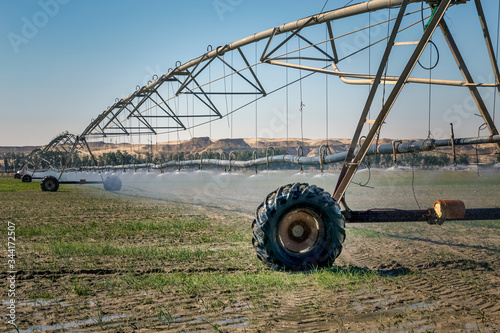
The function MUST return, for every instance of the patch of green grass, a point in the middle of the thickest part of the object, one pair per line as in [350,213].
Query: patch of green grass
[164,315]
[177,228]
[46,230]
[85,250]
[490,224]
[229,234]
[189,225]
[36,295]
[252,283]
[192,229]
[9,184]
[94,229]
[80,288]
[203,282]
[351,278]
[362,232]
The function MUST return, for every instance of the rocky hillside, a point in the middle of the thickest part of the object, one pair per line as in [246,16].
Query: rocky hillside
[487,153]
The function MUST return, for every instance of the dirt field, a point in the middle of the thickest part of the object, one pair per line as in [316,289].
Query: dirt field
[88,260]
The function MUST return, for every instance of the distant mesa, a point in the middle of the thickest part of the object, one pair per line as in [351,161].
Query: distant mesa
[228,145]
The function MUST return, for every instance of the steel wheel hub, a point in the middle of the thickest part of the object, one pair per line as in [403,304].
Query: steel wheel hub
[299,230]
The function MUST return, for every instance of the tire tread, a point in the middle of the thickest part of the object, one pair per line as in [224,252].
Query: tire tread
[268,217]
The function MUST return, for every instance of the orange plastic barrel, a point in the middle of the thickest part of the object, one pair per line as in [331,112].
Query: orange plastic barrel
[449,209]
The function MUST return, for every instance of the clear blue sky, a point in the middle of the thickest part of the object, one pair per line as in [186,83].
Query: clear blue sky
[62,62]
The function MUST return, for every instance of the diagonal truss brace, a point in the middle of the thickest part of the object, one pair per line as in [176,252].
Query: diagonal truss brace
[468,78]
[489,44]
[170,112]
[193,74]
[332,42]
[211,106]
[362,120]
[139,116]
[315,46]
[351,164]
[262,90]
[265,57]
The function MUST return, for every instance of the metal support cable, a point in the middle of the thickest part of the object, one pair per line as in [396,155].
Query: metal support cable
[256,107]
[192,103]
[232,96]
[498,34]
[370,58]
[326,96]
[301,108]
[209,90]
[322,9]
[286,102]
[225,90]
[429,134]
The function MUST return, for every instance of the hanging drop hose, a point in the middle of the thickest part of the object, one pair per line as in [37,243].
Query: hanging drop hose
[369,177]
[424,26]
[437,59]
[481,127]
[368,167]
[413,179]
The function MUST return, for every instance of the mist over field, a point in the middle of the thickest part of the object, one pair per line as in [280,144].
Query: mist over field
[244,190]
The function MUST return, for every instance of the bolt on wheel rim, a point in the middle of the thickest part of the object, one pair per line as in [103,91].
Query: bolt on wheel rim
[299,230]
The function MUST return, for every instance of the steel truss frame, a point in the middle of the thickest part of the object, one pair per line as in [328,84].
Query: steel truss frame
[64,144]
[353,160]
[184,75]
[187,78]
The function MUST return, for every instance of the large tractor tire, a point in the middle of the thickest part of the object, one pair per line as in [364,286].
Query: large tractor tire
[298,227]
[112,183]
[49,184]
[17,176]
[26,179]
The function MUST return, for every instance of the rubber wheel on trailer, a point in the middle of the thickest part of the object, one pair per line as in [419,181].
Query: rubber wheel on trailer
[17,176]
[26,179]
[112,183]
[49,183]
[298,227]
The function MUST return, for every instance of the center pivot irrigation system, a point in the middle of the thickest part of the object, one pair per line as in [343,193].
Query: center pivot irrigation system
[299,226]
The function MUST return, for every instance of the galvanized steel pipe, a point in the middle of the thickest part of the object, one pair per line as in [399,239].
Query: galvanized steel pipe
[385,149]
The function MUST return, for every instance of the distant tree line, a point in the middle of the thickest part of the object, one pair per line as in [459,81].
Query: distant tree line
[418,160]
[124,158]
[12,162]
[15,161]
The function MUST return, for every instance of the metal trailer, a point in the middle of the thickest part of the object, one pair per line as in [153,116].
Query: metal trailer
[60,151]
[300,226]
